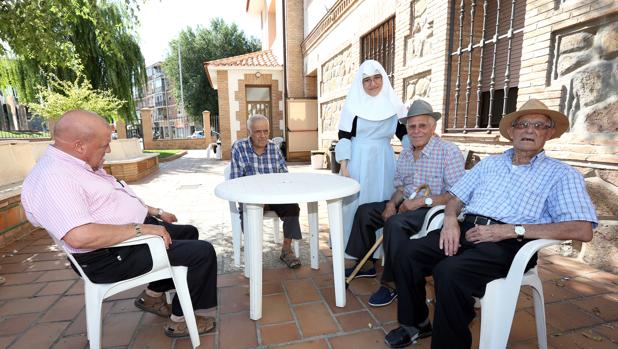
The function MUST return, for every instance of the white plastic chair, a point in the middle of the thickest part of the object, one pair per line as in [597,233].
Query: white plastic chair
[500,300]
[161,269]
[278,141]
[237,231]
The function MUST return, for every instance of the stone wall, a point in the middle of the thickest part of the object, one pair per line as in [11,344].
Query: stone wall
[586,68]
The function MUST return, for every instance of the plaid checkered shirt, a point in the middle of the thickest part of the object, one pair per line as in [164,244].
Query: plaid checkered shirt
[544,191]
[245,162]
[440,166]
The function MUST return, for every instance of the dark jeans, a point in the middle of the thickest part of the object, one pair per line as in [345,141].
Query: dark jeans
[456,279]
[397,229]
[121,263]
[288,213]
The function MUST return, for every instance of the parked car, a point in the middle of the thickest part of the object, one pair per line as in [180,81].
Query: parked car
[197,134]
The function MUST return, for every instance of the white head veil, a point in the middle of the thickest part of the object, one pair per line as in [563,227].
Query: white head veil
[359,103]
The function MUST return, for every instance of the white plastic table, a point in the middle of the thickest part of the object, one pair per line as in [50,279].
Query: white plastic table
[284,188]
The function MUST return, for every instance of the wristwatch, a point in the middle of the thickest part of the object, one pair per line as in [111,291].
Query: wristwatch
[428,201]
[159,213]
[520,231]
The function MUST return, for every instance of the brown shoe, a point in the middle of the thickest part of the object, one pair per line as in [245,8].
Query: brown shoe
[289,259]
[155,305]
[205,324]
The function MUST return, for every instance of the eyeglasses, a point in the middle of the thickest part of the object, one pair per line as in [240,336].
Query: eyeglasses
[375,79]
[421,127]
[538,125]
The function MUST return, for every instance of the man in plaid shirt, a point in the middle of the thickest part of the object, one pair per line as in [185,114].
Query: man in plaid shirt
[509,198]
[259,155]
[429,160]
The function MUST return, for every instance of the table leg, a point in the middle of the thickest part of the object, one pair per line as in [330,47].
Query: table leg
[253,229]
[335,220]
[312,209]
[246,243]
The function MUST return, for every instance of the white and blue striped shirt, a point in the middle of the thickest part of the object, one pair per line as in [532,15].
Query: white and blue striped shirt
[544,191]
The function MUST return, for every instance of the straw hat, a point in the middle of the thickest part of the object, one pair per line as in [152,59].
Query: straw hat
[420,107]
[534,106]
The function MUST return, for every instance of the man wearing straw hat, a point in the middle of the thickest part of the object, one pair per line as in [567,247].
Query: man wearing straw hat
[429,162]
[509,199]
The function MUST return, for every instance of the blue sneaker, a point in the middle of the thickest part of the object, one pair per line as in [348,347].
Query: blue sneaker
[383,296]
[363,273]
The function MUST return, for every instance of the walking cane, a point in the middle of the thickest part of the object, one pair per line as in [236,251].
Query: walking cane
[378,242]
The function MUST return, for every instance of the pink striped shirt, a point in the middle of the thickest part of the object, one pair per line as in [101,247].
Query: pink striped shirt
[63,192]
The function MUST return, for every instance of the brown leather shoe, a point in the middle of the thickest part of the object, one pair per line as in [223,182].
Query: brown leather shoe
[205,324]
[155,305]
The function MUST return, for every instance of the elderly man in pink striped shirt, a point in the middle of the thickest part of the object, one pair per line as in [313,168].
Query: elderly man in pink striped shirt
[72,197]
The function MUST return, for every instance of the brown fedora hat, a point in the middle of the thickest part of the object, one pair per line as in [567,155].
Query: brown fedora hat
[534,106]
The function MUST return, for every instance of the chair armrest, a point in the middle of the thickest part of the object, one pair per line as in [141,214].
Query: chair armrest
[156,245]
[433,220]
[523,256]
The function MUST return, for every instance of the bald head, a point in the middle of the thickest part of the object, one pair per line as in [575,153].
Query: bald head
[83,134]
[78,125]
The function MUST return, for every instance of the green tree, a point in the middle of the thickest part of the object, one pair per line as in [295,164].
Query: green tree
[197,46]
[78,94]
[95,38]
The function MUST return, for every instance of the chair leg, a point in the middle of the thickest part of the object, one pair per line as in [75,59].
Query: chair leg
[94,301]
[296,248]
[497,310]
[539,312]
[182,289]
[276,232]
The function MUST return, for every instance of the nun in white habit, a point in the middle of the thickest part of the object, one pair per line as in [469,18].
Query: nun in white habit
[368,122]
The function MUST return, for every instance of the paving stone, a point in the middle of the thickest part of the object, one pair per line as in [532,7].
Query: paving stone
[356,321]
[16,324]
[237,331]
[275,309]
[27,305]
[314,344]
[40,336]
[118,329]
[315,319]
[363,340]
[301,291]
[279,333]
[565,316]
[58,287]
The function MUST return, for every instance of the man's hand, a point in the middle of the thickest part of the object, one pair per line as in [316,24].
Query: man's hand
[449,236]
[151,229]
[490,233]
[410,205]
[389,211]
[168,217]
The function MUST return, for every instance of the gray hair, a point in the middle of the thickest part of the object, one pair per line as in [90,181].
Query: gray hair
[253,118]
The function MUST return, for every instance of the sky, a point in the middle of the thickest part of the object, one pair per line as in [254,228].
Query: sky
[162,20]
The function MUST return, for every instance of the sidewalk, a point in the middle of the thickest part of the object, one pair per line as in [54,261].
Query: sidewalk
[42,304]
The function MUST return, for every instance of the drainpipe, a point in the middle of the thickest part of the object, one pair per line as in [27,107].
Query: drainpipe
[285,81]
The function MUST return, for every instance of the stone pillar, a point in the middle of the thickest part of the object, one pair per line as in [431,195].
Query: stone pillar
[146,114]
[121,129]
[206,122]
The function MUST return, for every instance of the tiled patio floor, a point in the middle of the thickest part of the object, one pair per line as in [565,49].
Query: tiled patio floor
[42,304]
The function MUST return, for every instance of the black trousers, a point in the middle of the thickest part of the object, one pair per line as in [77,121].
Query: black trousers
[121,263]
[288,213]
[456,279]
[397,229]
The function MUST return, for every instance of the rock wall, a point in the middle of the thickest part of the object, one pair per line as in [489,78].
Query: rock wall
[587,67]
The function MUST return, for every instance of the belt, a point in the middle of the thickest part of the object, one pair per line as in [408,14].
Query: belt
[480,220]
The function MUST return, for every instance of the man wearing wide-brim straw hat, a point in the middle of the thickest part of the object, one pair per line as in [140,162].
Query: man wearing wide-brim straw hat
[429,162]
[507,200]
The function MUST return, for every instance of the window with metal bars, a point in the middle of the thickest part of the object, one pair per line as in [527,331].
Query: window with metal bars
[379,45]
[485,59]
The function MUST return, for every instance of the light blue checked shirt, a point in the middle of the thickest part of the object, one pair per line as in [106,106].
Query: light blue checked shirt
[544,191]
[245,162]
[440,166]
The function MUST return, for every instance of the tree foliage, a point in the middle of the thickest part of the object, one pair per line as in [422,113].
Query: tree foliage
[197,46]
[95,38]
[78,94]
